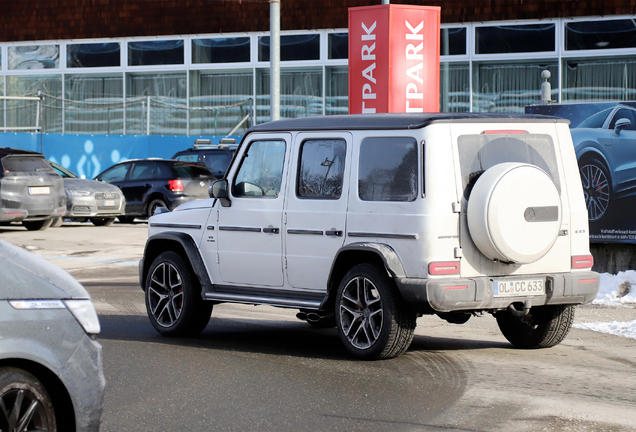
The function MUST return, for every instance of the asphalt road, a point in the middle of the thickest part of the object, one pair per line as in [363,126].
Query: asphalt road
[259,368]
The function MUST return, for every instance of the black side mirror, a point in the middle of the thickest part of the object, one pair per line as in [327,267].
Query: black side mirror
[621,124]
[218,190]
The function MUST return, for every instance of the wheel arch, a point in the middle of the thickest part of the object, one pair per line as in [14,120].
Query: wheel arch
[591,153]
[178,242]
[62,402]
[353,254]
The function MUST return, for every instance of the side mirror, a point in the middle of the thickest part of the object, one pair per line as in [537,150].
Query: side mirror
[218,190]
[621,124]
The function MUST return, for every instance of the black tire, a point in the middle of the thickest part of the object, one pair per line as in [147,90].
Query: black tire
[173,297]
[597,187]
[26,398]
[103,221]
[543,327]
[154,205]
[57,222]
[40,225]
[126,219]
[381,328]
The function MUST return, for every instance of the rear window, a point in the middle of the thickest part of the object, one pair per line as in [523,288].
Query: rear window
[477,153]
[217,162]
[23,164]
[191,172]
[187,157]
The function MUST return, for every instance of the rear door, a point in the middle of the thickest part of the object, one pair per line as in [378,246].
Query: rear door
[141,178]
[316,207]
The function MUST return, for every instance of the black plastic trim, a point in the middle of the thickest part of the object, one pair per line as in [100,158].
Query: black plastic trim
[383,235]
[306,232]
[244,229]
[174,225]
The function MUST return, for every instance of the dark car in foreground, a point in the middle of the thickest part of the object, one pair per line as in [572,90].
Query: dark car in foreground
[148,184]
[96,201]
[216,157]
[51,376]
[31,192]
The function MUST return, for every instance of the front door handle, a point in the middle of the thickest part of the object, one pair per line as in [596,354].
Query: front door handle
[336,233]
[271,230]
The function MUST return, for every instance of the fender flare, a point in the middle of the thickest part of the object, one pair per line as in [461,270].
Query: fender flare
[189,246]
[390,258]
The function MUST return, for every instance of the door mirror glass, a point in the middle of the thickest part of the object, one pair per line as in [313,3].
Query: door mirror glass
[622,124]
[218,189]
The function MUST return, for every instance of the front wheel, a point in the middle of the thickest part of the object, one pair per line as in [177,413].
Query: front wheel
[543,327]
[154,205]
[596,181]
[25,403]
[373,321]
[40,225]
[173,297]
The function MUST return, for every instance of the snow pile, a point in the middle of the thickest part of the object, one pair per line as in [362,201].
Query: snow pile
[615,290]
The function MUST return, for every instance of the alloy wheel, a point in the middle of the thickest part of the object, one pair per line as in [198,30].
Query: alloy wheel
[596,190]
[165,294]
[20,410]
[361,312]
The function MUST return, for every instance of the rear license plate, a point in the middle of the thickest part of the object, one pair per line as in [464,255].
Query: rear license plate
[42,190]
[109,203]
[519,288]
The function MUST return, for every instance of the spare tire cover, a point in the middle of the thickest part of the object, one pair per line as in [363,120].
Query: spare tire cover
[514,213]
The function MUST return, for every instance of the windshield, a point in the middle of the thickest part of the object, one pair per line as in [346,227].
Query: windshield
[62,171]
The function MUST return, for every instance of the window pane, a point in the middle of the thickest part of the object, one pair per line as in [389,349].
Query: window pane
[94,104]
[221,50]
[515,39]
[220,101]
[115,174]
[93,55]
[453,41]
[292,47]
[388,169]
[261,171]
[166,95]
[599,79]
[455,87]
[337,87]
[338,46]
[609,34]
[301,94]
[624,113]
[509,87]
[151,53]
[24,113]
[34,57]
[142,171]
[321,169]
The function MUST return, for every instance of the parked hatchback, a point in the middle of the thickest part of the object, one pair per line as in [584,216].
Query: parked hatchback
[148,184]
[31,192]
[51,376]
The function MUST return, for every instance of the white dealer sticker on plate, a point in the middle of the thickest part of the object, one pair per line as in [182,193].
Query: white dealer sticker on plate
[519,288]
[43,190]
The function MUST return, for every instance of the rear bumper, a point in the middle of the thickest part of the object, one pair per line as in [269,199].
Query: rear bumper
[447,295]
[12,214]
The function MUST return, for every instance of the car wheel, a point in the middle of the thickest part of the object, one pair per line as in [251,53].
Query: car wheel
[126,219]
[154,205]
[102,221]
[37,225]
[543,327]
[173,297]
[57,222]
[596,182]
[373,321]
[25,403]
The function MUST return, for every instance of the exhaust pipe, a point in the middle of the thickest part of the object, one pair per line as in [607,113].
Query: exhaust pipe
[302,316]
[523,312]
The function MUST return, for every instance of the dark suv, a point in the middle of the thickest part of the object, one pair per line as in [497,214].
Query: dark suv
[31,192]
[151,183]
[216,157]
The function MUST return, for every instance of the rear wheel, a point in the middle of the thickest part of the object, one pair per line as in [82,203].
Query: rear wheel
[25,403]
[154,205]
[543,327]
[37,225]
[373,321]
[102,221]
[126,219]
[596,182]
[57,222]
[173,297]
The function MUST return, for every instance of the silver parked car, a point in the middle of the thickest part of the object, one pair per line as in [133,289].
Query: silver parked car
[51,375]
[96,201]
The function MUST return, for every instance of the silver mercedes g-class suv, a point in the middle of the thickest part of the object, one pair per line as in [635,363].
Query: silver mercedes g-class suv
[365,222]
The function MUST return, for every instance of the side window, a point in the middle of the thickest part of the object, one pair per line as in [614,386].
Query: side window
[624,113]
[163,171]
[388,169]
[115,174]
[143,171]
[261,171]
[321,169]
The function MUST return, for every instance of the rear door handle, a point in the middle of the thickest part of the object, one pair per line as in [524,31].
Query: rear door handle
[271,230]
[336,233]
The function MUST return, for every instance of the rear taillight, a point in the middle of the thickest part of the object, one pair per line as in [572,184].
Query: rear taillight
[175,185]
[443,268]
[582,262]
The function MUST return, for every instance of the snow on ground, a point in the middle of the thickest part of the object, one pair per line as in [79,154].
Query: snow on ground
[615,290]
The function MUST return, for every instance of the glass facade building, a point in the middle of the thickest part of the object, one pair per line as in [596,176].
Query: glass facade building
[217,84]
